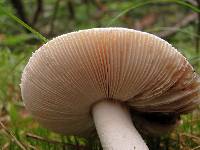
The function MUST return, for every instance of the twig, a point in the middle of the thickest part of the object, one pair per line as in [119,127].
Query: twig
[36,137]
[5,146]
[20,10]
[54,16]
[32,147]
[196,148]
[21,145]
[19,7]
[173,30]
[71,10]
[4,118]
[37,12]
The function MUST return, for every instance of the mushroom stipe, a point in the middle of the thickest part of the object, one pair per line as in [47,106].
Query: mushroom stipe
[70,83]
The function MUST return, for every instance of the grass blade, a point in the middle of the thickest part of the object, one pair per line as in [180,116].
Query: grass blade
[144,3]
[37,34]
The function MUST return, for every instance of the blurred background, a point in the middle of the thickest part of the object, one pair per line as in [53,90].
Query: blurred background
[26,24]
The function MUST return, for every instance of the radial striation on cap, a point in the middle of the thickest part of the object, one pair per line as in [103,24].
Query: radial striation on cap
[68,75]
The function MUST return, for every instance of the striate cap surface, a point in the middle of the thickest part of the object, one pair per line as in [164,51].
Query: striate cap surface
[68,75]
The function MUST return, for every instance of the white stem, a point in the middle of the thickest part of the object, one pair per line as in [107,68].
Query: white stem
[115,128]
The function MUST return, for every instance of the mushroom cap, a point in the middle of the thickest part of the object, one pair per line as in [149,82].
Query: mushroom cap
[68,75]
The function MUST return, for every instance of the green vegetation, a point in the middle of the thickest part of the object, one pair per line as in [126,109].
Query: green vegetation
[22,32]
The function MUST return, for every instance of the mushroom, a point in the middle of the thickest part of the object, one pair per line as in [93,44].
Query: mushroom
[95,77]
